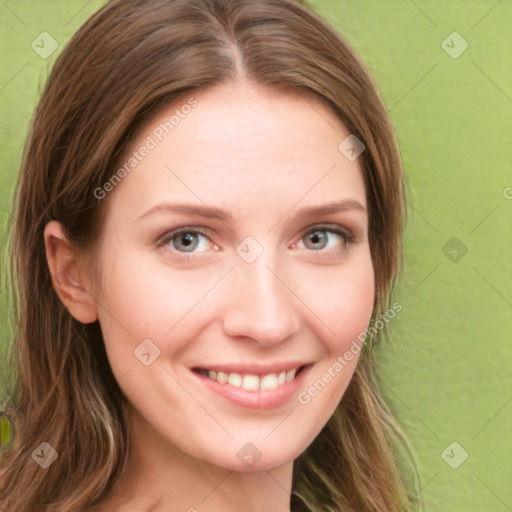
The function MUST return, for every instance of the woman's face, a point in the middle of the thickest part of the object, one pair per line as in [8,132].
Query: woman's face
[255,288]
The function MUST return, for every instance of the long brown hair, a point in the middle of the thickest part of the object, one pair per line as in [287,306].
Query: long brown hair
[124,63]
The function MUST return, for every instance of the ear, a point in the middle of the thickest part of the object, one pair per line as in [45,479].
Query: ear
[69,277]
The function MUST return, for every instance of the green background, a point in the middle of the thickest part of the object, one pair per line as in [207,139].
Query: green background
[447,370]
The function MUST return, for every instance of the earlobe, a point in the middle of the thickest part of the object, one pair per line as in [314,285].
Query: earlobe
[69,279]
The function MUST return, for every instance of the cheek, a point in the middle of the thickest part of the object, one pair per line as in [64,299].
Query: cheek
[139,302]
[342,298]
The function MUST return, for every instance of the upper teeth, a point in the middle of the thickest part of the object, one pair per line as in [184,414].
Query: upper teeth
[252,382]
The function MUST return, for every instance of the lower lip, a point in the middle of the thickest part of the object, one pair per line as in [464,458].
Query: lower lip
[267,399]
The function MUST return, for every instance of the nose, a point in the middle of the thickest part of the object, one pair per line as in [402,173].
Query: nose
[260,303]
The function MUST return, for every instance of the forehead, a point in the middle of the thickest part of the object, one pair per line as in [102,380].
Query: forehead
[242,146]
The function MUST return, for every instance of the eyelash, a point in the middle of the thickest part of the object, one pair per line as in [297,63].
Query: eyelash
[346,235]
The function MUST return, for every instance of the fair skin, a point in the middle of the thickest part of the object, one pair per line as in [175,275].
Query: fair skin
[263,156]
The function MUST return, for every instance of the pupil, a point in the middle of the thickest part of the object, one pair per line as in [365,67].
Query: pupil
[317,236]
[187,240]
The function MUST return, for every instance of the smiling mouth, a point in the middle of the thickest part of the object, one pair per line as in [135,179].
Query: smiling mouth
[252,382]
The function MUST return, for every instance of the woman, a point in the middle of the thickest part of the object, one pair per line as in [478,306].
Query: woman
[155,376]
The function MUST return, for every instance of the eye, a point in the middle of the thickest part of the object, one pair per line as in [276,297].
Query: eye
[318,237]
[185,240]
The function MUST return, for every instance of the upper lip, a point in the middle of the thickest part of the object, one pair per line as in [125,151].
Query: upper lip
[253,368]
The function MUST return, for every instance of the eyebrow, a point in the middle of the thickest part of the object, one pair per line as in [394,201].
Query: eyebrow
[213,212]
